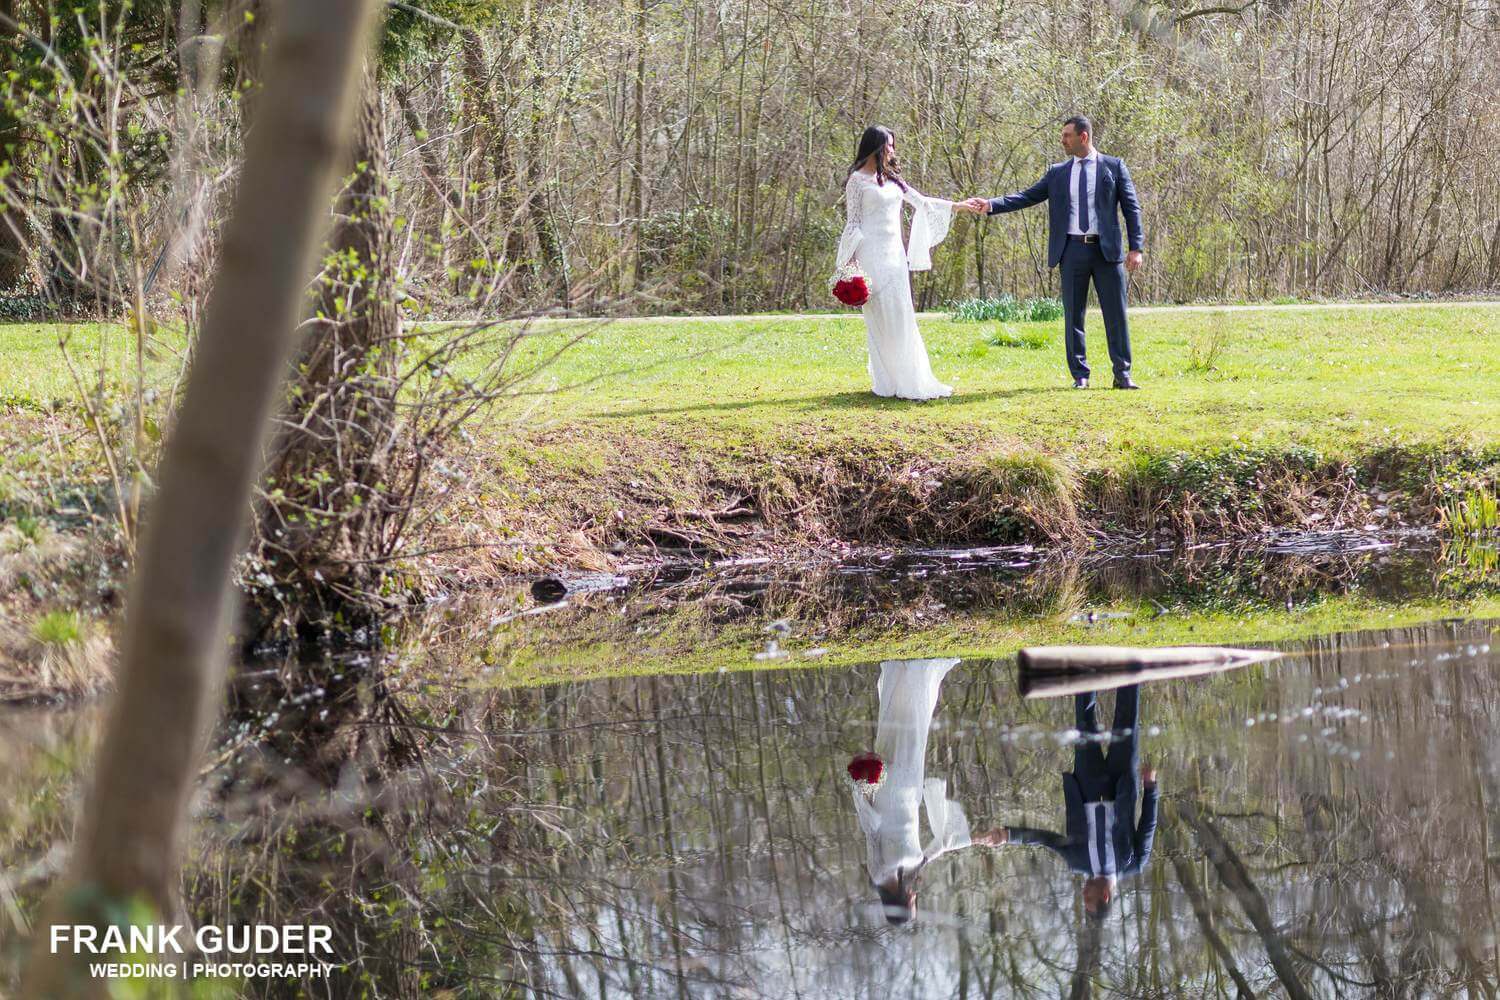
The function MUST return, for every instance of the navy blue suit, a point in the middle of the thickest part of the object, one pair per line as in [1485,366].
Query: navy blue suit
[1099,777]
[1114,194]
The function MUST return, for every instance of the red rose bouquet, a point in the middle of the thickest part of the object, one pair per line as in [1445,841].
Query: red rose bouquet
[866,773]
[849,286]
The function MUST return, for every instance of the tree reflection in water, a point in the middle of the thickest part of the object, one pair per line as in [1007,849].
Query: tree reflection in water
[1324,831]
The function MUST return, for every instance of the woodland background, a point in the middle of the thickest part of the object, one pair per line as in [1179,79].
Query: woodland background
[685,156]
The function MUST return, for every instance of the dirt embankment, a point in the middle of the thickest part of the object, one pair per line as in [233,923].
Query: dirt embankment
[566,506]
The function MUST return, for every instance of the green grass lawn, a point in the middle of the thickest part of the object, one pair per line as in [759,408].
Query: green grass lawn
[33,373]
[1333,379]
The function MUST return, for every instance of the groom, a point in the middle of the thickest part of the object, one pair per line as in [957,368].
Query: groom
[1104,842]
[1084,195]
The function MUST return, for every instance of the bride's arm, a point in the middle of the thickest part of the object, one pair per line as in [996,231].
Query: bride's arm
[853,233]
[929,226]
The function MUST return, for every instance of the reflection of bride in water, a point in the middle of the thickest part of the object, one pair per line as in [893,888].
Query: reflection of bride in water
[894,853]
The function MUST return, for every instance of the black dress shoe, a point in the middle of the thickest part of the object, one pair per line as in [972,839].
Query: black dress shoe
[1125,383]
[1080,383]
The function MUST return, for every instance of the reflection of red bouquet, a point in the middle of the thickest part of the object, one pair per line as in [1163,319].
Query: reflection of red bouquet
[866,773]
[852,291]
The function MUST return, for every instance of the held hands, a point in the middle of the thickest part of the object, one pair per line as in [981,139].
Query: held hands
[976,206]
[994,837]
[1133,260]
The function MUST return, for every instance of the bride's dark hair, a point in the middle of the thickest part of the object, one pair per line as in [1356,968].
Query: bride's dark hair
[876,142]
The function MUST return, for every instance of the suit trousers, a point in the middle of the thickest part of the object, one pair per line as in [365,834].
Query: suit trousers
[1080,263]
[1098,772]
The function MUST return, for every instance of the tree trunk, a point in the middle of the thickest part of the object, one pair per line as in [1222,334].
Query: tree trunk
[489,124]
[13,253]
[327,514]
[1236,878]
[554,255]
[638,167]
[12,247]
[130,840]
[439,190]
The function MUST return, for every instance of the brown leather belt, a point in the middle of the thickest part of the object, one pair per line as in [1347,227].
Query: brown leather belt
[1083,239]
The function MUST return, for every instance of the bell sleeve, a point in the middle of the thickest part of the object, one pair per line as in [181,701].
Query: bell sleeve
[929,226]
[950,826]
[854,218]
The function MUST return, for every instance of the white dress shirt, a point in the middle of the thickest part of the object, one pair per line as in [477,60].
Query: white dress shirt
[1089,164]
[1101,844]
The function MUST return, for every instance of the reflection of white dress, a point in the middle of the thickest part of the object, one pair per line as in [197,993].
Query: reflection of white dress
[872,235]
[908,696]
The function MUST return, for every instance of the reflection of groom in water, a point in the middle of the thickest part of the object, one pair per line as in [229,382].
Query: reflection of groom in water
[1103,841]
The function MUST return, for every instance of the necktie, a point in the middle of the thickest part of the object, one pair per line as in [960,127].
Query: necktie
[1083,195]
[1101,824]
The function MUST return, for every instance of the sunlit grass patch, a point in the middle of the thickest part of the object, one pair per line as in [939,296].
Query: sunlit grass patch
[57,628]
[1029,338]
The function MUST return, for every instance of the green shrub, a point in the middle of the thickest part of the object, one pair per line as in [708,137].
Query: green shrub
[1475,513]
[1206,344]
[1007,309]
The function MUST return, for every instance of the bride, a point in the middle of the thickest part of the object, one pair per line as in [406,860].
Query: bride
[894,855]
[871,241]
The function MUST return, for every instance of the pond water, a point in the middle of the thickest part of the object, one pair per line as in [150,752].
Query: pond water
[1323,828]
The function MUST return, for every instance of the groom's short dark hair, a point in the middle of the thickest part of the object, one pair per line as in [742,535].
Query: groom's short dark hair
[1080,124]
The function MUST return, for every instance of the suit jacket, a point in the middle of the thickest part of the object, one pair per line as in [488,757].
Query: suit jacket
[1132,841]
[1114,192]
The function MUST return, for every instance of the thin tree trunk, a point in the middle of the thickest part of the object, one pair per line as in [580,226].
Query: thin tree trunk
[554,255]
[490,127]
[1205,917]
[130,840]
[13,252]
[637,177]
[427,152]
[1236,878]
[333,456]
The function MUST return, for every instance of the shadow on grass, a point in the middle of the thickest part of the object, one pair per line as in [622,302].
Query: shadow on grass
[835,401]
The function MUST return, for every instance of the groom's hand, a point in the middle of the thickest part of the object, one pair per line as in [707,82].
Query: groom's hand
[979,206]
[1133,261]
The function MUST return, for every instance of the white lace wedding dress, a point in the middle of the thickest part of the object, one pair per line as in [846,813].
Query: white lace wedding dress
[872,236]
[908,696]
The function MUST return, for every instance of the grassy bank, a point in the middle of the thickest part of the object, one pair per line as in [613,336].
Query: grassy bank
[728,435]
